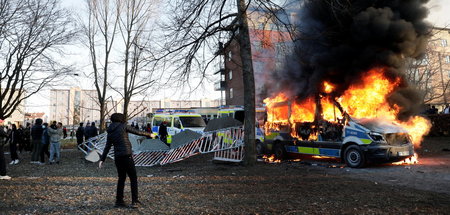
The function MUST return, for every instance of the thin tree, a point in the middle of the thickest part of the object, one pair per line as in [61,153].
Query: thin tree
[134,25]
[32,36]
[100,31]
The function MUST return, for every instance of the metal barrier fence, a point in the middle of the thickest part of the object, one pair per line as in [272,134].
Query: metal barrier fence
[149,158]
[97,143]
[222,139]
[230,155]
[226,144]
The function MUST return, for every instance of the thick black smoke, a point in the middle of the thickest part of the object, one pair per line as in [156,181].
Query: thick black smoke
[340,40]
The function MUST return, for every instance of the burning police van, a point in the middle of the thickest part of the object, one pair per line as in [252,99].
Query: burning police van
[327,130]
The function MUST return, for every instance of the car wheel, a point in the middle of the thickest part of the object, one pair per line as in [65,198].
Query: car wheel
[354,157]
[259,148]
[279,151]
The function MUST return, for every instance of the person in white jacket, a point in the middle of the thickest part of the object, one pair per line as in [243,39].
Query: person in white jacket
[55,132]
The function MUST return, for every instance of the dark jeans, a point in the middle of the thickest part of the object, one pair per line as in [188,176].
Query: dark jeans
[44,151]
[36,150]
[13,151]
[2,162]
[125,166]
[27,144]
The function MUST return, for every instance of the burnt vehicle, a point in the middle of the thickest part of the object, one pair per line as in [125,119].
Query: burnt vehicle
[354,141]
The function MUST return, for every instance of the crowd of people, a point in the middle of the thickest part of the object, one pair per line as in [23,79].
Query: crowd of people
[40,140]
[431,109]
[84,133]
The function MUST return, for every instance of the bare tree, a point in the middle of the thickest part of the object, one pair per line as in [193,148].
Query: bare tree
[32,35]
[135,33]
[427,74]
[100,31]
[199,25]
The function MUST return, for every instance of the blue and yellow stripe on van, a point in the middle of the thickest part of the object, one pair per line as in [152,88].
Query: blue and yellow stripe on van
[365,139]
[313,151]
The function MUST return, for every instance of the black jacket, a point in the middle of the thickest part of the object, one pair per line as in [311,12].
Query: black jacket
[93,132]
[36,132]
[3,134]
[80,132]
[118,137]
[14,136]
[162,130]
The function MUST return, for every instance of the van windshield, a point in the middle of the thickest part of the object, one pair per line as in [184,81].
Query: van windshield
[192,121]
[158,120]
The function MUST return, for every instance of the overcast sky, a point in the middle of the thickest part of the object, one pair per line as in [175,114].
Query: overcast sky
[439,16]
[439,13]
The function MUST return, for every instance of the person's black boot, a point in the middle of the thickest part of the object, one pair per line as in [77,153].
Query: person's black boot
[136,204]
[120,204]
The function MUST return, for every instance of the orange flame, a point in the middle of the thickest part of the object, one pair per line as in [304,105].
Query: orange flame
[412,160]
[368,99]
[271,159]
[327,87]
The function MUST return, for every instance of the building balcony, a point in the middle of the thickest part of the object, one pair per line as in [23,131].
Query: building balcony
[220,85]
[221,70]
[220,50]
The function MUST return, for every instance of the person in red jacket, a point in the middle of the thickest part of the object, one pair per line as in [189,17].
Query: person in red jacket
[123,156]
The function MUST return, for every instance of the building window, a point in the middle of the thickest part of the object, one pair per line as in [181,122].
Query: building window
[229,55]
[230,75]
[448,73]
[444,43]
[447,59]
[231,93]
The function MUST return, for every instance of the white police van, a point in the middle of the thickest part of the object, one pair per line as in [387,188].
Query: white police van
[355,141]
[177,121]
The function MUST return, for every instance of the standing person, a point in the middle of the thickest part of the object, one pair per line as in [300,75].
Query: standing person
[13,138]
[118,137]
[163,132]
[93,132]
[55,132]
[36,137]
[86,131]
[20,131]
[45,144]
[27,137]
[64,132]
[148,128]
[3,175]
[80,134]
[447,109]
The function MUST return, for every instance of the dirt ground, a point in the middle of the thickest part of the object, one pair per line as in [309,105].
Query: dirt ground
[198,186]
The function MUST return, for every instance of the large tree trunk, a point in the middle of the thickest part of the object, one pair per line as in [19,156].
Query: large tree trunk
[249,85]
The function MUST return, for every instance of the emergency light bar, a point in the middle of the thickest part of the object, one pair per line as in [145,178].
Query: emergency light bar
[231,106]
[171,111]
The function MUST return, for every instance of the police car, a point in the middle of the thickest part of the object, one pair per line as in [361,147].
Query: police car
[177,121]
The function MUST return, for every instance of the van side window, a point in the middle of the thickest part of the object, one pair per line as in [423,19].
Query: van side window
[157,121]
[176,123]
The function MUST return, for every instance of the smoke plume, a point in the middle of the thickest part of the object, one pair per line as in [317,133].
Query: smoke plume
[340,40]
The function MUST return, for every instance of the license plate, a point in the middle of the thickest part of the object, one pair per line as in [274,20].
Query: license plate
[405,153]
